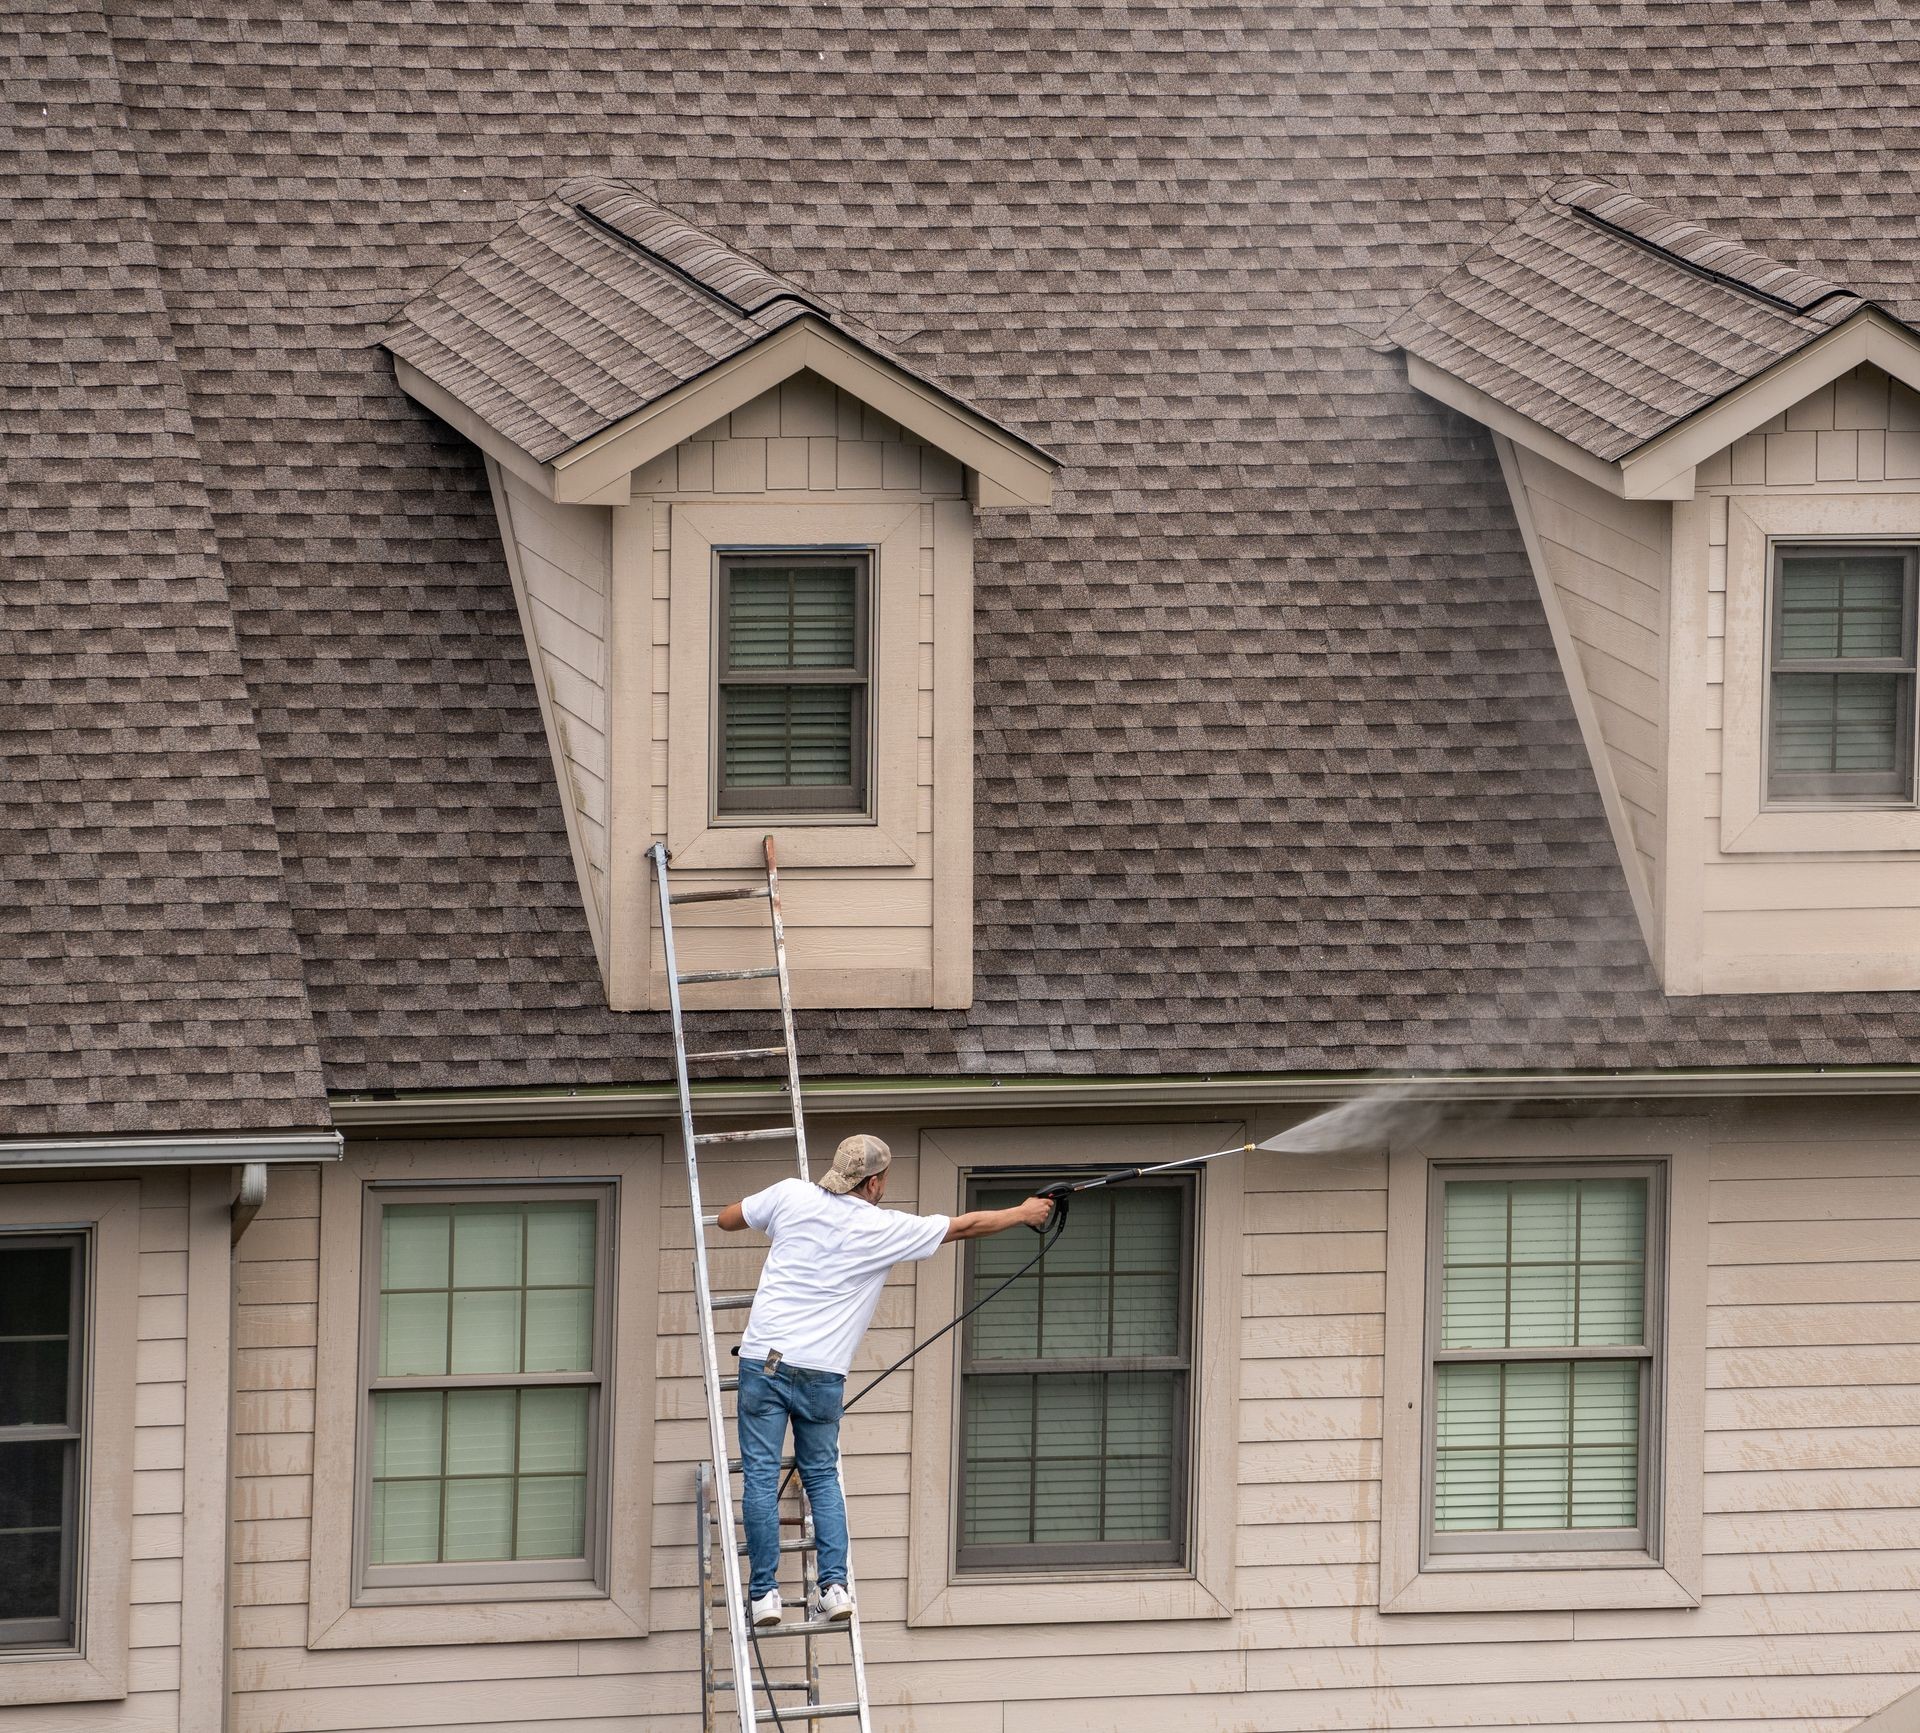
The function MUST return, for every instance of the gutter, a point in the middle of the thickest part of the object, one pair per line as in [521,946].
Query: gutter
[362,1111]
[170,1151]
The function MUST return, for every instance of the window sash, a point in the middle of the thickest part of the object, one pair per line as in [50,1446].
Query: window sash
[1893,785]
[1178,1366]
[59,1628]
[591,1565]
[855,677]
[1643,1537]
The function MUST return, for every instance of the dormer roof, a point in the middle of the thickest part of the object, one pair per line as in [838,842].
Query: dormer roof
[597,306]
[1596,326]
[1608,321]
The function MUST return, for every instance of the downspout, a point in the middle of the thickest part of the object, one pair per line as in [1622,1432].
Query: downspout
[252,1194]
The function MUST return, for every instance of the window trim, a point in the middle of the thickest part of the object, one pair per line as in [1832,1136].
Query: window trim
[591,1568]
[91,1665]
[1749,822]
[1799,790]
[342,1613]
[1203,1588]
[1478,1543]
[1532,1578]
[59,1630]
[993,1560]
[794,805]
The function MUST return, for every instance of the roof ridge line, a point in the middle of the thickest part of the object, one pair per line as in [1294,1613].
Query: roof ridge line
[684,275]
[1726,279]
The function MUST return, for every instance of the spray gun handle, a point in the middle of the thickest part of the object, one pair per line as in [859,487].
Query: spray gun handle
[1059,1194]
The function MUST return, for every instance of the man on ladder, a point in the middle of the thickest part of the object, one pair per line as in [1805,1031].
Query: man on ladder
[832,1248]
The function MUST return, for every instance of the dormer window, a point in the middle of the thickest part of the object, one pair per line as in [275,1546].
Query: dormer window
[793,729]
[1840,698]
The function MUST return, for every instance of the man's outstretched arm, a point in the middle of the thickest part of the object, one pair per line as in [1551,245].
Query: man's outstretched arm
[977,1224]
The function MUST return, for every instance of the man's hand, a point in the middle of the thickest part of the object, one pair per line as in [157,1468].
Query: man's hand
[978,1224]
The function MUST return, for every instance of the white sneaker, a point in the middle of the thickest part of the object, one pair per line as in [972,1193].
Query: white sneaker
[766,1610]
[835,1603]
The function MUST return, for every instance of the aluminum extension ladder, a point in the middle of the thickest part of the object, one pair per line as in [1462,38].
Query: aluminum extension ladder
[782,1690]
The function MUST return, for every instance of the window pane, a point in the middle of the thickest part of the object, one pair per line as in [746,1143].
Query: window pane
[486,1331]
[553,1431]
[413,1246]
[553,1517]
[998,1451]
[33,1383]
[1466,1407]
[486,1245]
[406,1433]
[406,1522]
[1841,604]
[1543,1220]
[560,1248]
[479,1519]
[480,1431]
[787,736]
[33,1483]
[798,616]
[559,1329]
[30,1575]
[1466,1490]
[36,1289]
[413,1335]
[1826,724]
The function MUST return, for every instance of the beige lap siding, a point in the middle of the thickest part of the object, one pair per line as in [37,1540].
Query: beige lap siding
[1811,1614]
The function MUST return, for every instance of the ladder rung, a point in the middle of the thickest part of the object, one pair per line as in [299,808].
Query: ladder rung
[698,977]
[730,894]
[712,1221]
[785,1546]
[806,1628]
[733,1463]
[730,1302]
[759,1134]
[741,1053]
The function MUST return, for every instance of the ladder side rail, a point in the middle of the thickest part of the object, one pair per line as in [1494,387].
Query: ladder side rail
[703,1296]
[858,1657]
[778,922]
[703,1527]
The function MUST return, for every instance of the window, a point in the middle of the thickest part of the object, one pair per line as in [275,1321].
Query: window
[1542,1320]
[1841,674]
[792,681]
[42,1433]
[1075,1385]
[485,1347]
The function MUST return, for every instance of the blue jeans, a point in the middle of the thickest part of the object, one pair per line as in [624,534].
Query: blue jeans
[811,1402]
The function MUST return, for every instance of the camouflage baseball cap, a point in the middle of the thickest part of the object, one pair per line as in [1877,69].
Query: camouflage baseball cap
[859,1157]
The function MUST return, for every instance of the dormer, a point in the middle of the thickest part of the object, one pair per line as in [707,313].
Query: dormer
[739,532]
[1714,459]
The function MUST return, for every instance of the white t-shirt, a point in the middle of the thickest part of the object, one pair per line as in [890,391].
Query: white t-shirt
[830,1258]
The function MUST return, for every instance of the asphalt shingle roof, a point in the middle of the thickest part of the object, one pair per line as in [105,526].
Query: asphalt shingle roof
[1276,770]
[149,975]
[1609,321]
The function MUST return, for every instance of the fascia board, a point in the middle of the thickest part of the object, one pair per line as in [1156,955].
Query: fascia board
[806,344]
[1456,393]
[1868,336]
[463,421]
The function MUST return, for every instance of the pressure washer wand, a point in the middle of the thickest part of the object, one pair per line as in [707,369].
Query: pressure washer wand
[1062,1191]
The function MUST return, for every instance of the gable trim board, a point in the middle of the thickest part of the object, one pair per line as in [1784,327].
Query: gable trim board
[1663,468]
[1011,471]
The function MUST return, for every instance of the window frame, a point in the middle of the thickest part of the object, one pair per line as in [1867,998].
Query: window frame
[24,1636]
[589,1571]
[786,801]
[1475,1543]
[1799,790]
[1040,1557]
